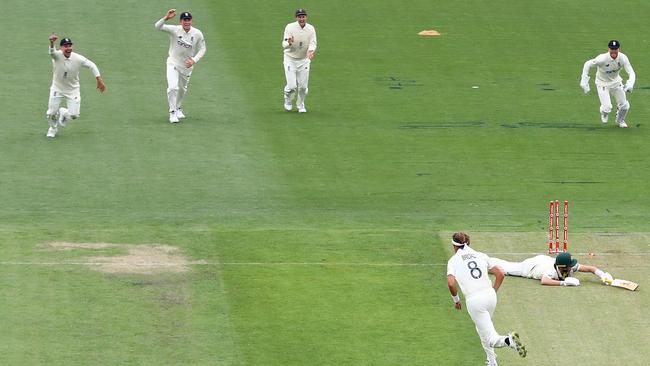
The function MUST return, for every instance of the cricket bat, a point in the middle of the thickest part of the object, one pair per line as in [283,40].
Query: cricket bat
[628,285]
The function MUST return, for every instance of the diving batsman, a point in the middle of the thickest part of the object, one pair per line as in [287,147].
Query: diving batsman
[550,271]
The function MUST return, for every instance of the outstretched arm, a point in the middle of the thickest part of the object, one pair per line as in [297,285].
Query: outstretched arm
[51,50]
[604,276]
[160,24]
[451,284]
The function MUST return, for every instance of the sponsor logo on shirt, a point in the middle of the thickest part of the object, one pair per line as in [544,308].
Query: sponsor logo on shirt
[183,43]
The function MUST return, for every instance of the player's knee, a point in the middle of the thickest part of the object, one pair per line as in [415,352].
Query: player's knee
[304,90]
[172,89]
[51,116]
[625,106]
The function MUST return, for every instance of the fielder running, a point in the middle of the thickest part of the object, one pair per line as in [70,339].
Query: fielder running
[65,84]
[186,48]
[471,268]
[551,272]
[299,44]
[608,81]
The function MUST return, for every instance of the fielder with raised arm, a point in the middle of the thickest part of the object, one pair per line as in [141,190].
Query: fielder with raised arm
[550,271]
[186,48]
[470,268]
[65,84]
[608,81]
[299,44]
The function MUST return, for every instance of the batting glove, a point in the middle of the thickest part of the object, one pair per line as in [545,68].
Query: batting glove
[606,278]
[570,281]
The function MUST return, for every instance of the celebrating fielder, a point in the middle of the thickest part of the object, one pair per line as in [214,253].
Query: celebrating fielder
[608,66]
[299,44]
[470,269]
[186,48]
[552,272]
[65,84]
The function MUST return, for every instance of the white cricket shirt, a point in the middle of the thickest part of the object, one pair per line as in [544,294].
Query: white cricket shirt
[182,44]
[544,266]
[608,69]
[304,39]
[65,75]
[471,271]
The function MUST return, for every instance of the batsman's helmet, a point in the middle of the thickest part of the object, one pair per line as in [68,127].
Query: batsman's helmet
[301,11]
[65,41]
[564,263]
[186,15]
[614,44]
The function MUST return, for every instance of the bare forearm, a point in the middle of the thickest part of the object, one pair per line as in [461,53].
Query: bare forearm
[550,282]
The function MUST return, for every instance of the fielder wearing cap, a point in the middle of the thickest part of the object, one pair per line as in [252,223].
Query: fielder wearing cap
[299,46]
[65,84]
[551,271]
[470,268]
[608,81]
[186,48]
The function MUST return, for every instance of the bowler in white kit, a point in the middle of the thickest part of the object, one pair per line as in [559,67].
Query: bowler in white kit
[299,45]
[550,271]
[65,84]
[608,81]
[470,268]
[186,48]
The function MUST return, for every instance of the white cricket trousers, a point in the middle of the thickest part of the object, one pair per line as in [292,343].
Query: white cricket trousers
[520,269]
[177,83]
[73,102]
[617,91]
[481,306]
[297,75]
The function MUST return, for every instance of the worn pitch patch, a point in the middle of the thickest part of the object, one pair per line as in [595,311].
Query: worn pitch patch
[139,259]
[429,32]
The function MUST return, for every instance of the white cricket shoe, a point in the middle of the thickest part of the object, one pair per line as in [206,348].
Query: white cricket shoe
[603,117]
[622,124]
[287,104]
[180,114]
[515,343]
[172,117]
[302,109]
[51,132]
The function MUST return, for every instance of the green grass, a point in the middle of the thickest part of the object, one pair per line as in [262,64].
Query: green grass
[322,238]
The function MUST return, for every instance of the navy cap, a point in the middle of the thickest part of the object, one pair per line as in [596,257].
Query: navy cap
[65,41]
[186,15]
[614,44]
[301,11]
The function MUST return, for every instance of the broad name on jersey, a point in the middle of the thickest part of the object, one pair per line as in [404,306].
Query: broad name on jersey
[468,256]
